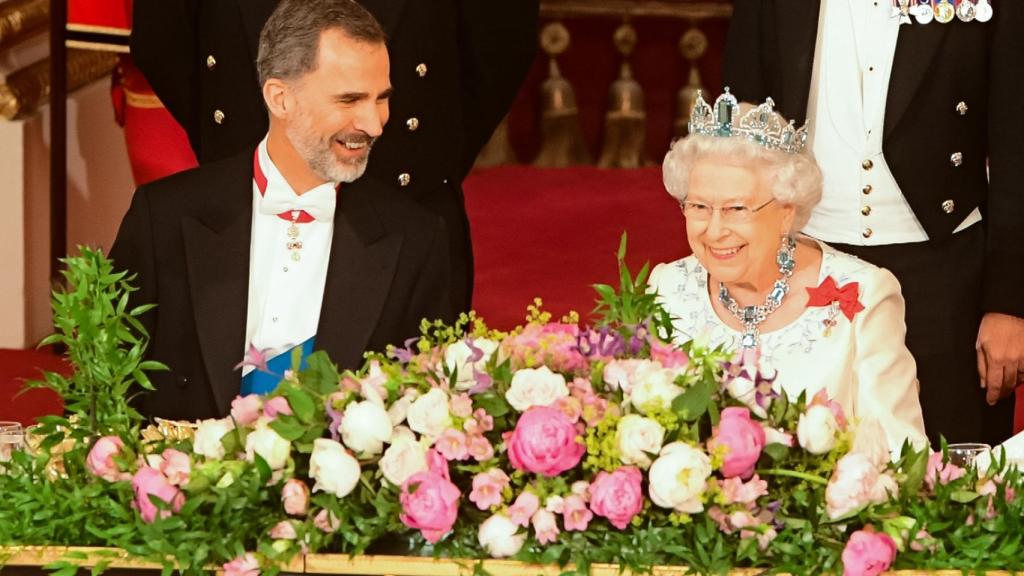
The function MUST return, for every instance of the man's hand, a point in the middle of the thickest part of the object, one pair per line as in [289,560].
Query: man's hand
[1000,354]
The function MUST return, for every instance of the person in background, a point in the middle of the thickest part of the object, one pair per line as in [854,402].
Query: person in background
[918,125]
[286,245]
[456,66]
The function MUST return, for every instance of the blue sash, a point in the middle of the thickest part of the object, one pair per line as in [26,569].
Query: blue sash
[263,383]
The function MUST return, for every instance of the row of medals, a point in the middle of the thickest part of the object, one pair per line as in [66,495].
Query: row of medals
[943,11]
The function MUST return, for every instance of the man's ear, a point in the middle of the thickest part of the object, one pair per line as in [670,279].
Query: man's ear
[278,97]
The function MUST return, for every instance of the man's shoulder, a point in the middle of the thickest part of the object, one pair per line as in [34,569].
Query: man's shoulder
[396,210]
[192,187]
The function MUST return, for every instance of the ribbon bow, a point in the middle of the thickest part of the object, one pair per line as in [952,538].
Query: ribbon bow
[846,295]
[316,204]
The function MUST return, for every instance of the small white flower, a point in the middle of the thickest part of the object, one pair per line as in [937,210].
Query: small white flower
[207,439]
[535,387]
[365,428]
[743,389]
[334,469]
[429,415]
[636,438]
[817,430]
[498,536]
[678,478]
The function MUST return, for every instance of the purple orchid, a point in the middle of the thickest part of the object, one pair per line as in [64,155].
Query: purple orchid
[256,358]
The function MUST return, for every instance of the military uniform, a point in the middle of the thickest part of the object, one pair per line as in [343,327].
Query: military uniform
[455,66]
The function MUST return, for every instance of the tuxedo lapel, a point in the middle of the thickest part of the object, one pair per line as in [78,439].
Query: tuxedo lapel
[797,26]
[363,263]
[916,47]
[217,258]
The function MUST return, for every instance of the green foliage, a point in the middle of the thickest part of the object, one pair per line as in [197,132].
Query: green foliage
[632,305]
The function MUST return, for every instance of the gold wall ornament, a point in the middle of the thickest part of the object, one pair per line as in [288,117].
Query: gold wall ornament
[22,19]
[692,45]
[562,142]
[28,88]
[498,150]
[625,131]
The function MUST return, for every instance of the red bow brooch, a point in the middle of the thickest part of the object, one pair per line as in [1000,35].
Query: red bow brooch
[845,296]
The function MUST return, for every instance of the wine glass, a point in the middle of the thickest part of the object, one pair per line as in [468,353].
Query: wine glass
[963,454]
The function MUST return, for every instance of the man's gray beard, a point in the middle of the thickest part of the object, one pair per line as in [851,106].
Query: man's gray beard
[322,161]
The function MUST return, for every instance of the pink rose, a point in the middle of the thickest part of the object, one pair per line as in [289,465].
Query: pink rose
[149,481]
[487,488]
[275,407]
[480,448]
[283,530]
[575,513]
[246,409]
[744,439]
[545,441]
[326,521]
[735,491]
[245,565]
[452,445]
[617,496]
[295,496]
[942,473]
[545,526]
[176,466]
[868,553]
[430,503]
[524,507]
[100,461]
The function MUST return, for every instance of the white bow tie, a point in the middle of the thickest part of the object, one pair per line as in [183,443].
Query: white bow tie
[319,202]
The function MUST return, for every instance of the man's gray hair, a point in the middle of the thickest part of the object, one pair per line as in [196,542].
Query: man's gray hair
[290,40]
[793,179]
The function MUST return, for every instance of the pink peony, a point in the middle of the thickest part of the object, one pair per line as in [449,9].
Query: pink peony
[941,473]
[283,530]
[487,488]
[868,553]
[326,521]
[436,464]
[246,409]
[452,445]
[245,565]
[575,513]
[524,508]
[856,483]
[149,481]
[100,461]
[545,441]
[275,407]
[545,526]
[744,439]
[295,496]
[617,496]
[430,503]
[735,491]
[176,466]
[480,448]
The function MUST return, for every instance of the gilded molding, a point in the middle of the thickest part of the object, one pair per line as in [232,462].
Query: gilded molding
[28,88]
[22,19]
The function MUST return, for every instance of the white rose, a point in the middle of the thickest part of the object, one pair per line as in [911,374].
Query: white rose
[678,478]
[535,387]
[365,428]
[498,536]
[334,469]
[207,439]
[400,409]
[743,389]
[636,438]
[816,431]
[429,414]
[269,445]
[653,388]
[405,457]
[457,359]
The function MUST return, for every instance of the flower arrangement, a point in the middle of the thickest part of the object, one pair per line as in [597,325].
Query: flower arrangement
[554,443]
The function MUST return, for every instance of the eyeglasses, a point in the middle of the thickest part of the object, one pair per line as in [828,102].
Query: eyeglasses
[736,214]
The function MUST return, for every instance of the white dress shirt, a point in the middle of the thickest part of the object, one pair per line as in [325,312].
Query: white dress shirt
[861,202]
[285,294]
[863,364]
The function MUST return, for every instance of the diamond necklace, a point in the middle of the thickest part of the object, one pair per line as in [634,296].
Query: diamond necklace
[753,316]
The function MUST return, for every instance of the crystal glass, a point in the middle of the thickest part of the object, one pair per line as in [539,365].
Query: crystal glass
[963,454]
[12,438]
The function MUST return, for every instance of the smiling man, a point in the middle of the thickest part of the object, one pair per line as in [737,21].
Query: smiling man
[287,245]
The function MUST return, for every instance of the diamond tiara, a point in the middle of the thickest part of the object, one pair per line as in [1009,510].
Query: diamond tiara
[760,125]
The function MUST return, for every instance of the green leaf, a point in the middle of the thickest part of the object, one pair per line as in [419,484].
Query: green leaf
[964,496]
[495,405]
[777,452]
[693,403]
[301,403]
[288,428]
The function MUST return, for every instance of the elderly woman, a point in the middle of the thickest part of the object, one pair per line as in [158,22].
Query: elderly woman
[819,318]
